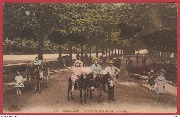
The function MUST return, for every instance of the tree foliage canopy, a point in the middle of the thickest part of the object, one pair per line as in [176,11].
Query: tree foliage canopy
[114,24]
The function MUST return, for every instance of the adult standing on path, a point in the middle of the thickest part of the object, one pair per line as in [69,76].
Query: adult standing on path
[117,62]
[67,61]
[137,57]
[128,66]
[77,56]
[46,71]
[144,59]
[113,71]
[28,71]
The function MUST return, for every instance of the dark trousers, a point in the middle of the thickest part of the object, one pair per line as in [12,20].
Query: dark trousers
[110,93]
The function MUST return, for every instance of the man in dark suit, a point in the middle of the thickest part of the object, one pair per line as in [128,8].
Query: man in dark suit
[117,62]
[128,66]
[144,59]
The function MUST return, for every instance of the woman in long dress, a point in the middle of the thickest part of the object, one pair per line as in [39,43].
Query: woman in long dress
[160,82]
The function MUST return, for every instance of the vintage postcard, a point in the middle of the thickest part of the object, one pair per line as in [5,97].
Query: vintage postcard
[73,58]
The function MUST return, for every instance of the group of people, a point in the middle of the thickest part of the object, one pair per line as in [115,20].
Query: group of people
[84,58]
[144,58]
[112,69]
[66,61]
[43,73]
[156,77]
[96,70]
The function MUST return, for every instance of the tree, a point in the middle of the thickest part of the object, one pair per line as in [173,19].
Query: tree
[38,21]
[57,38]
[101,26]
[78,39]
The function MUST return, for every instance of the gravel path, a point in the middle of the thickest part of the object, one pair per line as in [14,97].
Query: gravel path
[131,97]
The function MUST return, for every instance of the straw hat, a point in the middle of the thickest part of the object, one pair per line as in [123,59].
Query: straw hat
[111,61]
[95,58]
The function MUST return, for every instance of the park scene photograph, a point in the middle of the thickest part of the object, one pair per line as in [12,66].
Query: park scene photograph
[89,58]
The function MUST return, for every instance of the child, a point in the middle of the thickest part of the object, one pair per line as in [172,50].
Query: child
[77,71]
[151,80]
[19,83]
[41,73]
[160,81]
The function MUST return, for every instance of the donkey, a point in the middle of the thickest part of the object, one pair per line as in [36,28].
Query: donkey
[81,84]
[100,83]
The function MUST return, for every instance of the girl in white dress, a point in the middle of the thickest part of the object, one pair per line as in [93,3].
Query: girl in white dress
[19,83]
[160,84]
[77,71]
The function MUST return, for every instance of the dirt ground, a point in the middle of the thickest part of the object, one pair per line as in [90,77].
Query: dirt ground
[131,97]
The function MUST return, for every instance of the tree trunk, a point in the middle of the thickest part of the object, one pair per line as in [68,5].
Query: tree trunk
[70,51]
[21,42]
[115,51]
[30,48]
[40,49]
[166,54]
[109,51]
[106,51]
[159,53]
[102,52]
[90,53]
[112,51]
[97,51]
[52,47]
[81,51]
[155,54]
[162,54]
[175,57]
[60,51]
[122,54]
[118,51]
